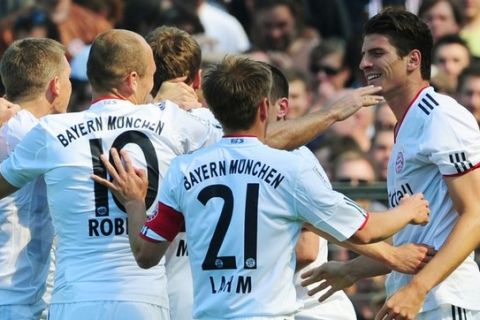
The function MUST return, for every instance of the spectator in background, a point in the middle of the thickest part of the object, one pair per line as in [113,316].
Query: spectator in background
[278,26]
[76,24]
[355,168]
[469,89]
[35,23]
[382,143]
[451,55]
[329,69]
[471,29]
[299,96]
[443,17]
[384,119]
[228,34]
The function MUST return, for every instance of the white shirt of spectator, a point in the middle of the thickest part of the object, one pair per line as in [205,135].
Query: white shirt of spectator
[94,260]
[437,137]
[255,199]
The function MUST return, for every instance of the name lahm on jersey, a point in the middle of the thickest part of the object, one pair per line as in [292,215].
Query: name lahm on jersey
[232,284]
[238,166]
[112,123]
[107,227]
[397,195]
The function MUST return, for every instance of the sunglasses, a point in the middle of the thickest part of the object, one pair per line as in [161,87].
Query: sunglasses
[360,182]
[329,71]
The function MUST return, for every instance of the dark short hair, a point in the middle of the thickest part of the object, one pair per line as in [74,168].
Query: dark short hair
[233,90]
[406,32]
[279,83]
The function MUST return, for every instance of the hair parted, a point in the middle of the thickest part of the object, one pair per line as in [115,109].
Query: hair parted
[114,54]
[234,88]
[406,32]
[28,65]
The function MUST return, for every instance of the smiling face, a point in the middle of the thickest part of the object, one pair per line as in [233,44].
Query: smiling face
[381,64]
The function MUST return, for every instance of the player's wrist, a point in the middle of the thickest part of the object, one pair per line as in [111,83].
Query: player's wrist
[132,206]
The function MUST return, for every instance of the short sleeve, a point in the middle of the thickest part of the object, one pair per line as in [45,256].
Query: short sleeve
[324,208]
[452,141]
[28,160]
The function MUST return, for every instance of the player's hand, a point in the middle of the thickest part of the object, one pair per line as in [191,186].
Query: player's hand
[332,275]
[7,110]
[129,183]
[417,206]
[179,92]
[352,100]
[411,257]
[404,304]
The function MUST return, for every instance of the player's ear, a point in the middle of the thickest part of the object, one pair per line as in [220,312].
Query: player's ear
[197,80]
[282,108]
[263,109]
[414,60]
[53,88]
[130,83]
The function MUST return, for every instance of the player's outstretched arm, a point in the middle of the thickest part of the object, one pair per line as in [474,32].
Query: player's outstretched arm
[464,238]
[292,134]
[130,186]
[383,225]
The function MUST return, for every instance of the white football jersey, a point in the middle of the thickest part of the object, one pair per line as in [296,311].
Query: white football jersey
[243,205]
[437,137]
[26,230]
[94,260]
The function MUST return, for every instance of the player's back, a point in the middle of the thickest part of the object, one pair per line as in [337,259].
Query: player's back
[244,204]
[94,260]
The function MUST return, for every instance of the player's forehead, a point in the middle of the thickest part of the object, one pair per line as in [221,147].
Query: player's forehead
[376,41]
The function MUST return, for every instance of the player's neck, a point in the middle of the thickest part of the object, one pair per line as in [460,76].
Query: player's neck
[252,132]
[38,107]
[401,101]
[98,96]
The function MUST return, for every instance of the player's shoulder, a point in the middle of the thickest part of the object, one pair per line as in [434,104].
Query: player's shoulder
[20,124]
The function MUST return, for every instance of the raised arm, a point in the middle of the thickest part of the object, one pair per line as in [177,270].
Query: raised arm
[291,134]
[464,238]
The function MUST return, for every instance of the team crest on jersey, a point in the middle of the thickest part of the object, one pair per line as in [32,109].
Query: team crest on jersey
[399,162]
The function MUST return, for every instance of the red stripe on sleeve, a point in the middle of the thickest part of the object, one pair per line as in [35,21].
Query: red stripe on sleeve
[167,223]
[364,222]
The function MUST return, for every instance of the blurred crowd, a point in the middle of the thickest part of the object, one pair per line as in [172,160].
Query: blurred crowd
[316,43]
